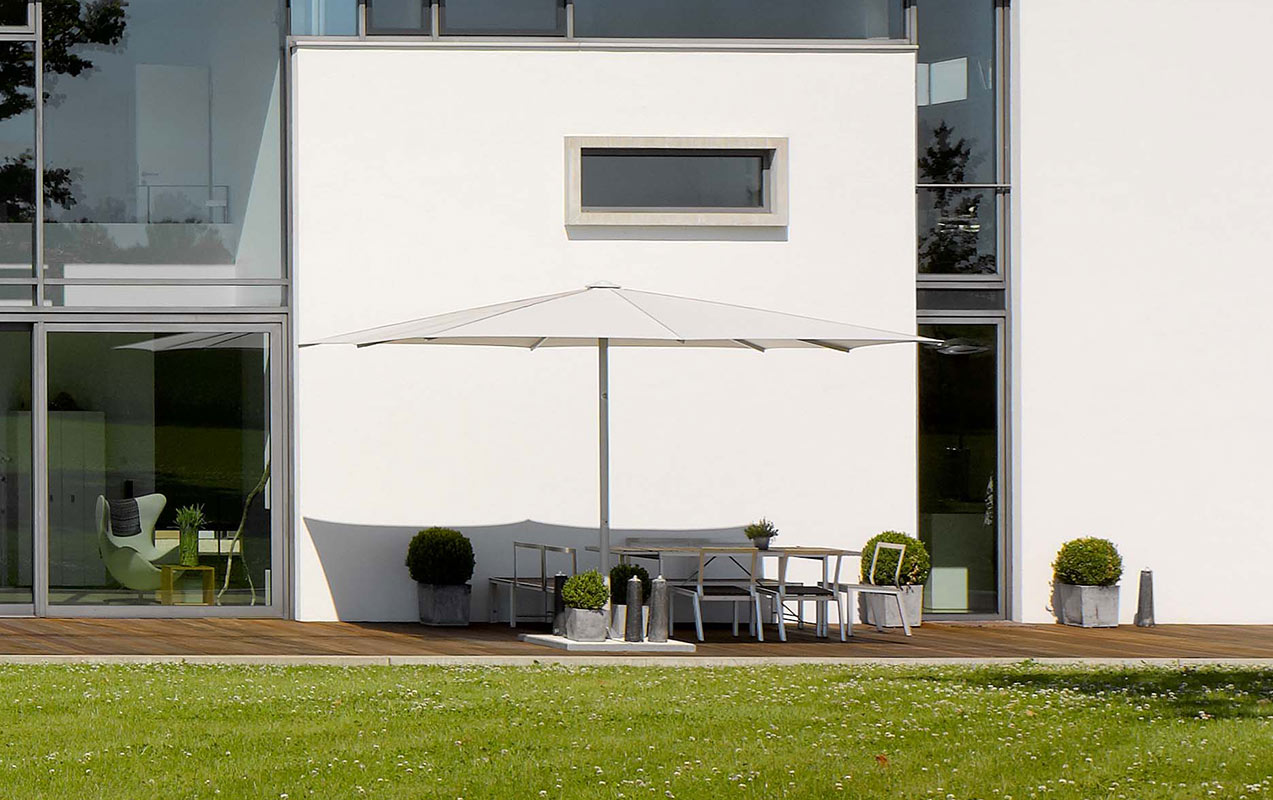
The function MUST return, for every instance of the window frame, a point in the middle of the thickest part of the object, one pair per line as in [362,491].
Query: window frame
[772,214]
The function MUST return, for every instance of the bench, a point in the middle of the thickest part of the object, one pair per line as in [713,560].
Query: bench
[542,583]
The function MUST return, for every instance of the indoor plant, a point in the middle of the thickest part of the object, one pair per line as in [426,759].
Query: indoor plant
[585,598]
[619,576]
[189,520]
[760,532]
[915,568]
[1085,583]
[441,562]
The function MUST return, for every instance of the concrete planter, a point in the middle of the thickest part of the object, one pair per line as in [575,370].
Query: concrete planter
[445,605]
[873,606]
[619,620]
[586,624]
[1085,606]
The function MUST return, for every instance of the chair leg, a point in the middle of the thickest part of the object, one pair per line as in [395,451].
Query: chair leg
[760,620]
[850,607]
[839,609]
[753,616]
[906,626]
[734,606]
[698,618]
[782,621]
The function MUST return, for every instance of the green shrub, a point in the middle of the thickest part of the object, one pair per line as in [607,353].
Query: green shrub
[585,590]
[440,556]
[915,563]
[761,529]
[619,576]
[1088,562]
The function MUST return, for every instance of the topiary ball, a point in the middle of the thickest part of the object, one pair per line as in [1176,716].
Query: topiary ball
[1088,561]
[440,556]
[915,562]
[620,574]
[585,590]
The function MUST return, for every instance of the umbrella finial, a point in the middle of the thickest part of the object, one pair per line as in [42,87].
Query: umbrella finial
[603,285]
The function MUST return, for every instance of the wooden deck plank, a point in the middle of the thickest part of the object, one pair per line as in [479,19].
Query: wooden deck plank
[934,640]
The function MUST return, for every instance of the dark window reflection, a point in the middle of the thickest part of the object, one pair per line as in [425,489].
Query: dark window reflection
[398,16]
[740,19]
[956,91]
[959,486]
[673,179]
[17,159]
[957,231]
[15,465]
[13,13]
[503,18]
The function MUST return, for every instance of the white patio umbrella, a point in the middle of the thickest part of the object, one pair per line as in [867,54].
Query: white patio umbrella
[604,315]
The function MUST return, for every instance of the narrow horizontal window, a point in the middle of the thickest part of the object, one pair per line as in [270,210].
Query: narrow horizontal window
[676,181]
[502,18]
[398,16]
[653,178]
[324,17]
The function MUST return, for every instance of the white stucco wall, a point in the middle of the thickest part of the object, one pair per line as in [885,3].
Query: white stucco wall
[1146,211]
[431,179]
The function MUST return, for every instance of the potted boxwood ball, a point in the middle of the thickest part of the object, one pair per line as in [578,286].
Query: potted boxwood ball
[915,569]
[585,598]
[760,532]
[1085,579]
[619,576]
[441,562]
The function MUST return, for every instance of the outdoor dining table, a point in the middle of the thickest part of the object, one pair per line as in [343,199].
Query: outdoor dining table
[754,556]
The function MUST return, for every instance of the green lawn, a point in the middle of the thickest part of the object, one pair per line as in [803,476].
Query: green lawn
[476,732]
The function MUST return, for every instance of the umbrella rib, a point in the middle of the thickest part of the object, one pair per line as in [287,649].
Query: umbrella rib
[657,321]
[828,345]
[752,345]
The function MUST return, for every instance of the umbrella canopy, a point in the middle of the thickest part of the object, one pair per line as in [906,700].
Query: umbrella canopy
[604,315]
[627,318]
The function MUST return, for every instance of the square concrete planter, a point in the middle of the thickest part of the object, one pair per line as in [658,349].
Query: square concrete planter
[586,624]
[1086,606]
[445,605]
[619,620]
[872,605]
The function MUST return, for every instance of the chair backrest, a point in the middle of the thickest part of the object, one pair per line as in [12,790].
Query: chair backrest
[875,557]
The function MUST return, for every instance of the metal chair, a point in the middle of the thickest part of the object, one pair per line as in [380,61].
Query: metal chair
[701,591]
[844,591]
[541,583]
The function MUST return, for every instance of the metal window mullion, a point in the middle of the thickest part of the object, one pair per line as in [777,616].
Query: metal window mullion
[435,19]
[570,19]
[37,245]
[39,471]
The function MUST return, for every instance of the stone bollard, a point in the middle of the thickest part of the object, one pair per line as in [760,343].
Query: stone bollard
[559,605]
[632,629]
[1145,606]
[658,610]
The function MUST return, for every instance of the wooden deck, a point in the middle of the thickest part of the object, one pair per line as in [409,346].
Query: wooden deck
[240,637]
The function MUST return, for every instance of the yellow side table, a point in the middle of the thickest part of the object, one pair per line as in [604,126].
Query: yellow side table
[168,575]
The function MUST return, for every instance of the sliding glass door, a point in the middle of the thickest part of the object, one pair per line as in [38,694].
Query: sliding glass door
[150,431]
[128,433]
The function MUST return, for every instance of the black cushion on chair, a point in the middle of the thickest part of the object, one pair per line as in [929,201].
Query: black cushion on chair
[125,518]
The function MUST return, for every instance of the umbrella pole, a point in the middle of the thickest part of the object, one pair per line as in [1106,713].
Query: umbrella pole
[603,418]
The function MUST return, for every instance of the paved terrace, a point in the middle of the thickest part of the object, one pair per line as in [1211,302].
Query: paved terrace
[280,640]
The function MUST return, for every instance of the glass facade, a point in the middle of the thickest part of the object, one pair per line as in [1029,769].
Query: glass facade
[16,522]
[959,513]
[739,19]
[398,16]
[17,160]
[163,146]
[325,17]
[502,18]
[139,426]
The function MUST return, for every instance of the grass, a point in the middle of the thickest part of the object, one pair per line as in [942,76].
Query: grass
[1024,731]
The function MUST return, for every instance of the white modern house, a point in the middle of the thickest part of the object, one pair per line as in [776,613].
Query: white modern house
[1075,197]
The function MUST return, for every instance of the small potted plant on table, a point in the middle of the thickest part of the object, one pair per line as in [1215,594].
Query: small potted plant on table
[190,520]
[441,562]
[585,598]
[1085,579]
[760,532]
[915,568]
[619,576]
